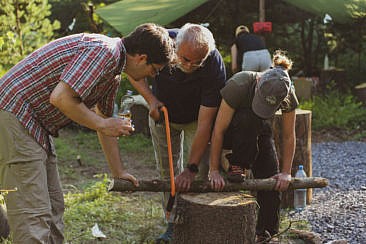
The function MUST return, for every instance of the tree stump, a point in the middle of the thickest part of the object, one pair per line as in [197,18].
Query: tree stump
[140,115]
[360,92]
[223,217]
[302,151]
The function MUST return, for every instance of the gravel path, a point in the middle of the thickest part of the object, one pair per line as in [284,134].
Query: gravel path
[339,210]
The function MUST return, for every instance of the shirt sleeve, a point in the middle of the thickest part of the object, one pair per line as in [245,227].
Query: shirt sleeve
[292,103]
[237,89]
[106,104]
[231,93]
[214,81]
[86,69]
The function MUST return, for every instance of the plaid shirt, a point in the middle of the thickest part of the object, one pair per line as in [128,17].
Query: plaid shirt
[90,64]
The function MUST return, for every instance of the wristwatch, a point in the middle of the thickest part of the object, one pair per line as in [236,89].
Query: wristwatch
[193,168]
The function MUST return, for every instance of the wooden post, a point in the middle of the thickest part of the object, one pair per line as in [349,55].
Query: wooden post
[302,152]
[215,218]
[262,11]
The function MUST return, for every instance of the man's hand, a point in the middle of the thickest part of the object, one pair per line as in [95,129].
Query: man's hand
[116,127]
[129,177]
[155,110]
[183,180]
[283,181]
[217,181]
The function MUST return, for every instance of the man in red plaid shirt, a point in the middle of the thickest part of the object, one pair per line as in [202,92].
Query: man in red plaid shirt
[55,85]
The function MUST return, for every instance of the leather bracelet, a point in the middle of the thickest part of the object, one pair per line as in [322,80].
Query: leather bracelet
[193,168]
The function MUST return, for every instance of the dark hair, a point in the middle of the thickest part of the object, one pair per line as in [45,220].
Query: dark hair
[152,40]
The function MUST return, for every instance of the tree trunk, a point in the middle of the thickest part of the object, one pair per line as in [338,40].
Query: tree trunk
[302,151]
[215,218]
[204,186]
[140,115]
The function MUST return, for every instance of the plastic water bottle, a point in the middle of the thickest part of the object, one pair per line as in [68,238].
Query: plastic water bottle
[126,104]
[300,194]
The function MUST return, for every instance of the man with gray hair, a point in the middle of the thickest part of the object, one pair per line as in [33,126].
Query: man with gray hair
[191,92]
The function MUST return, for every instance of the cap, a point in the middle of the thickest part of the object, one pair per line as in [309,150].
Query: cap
[272,88]
[240,29]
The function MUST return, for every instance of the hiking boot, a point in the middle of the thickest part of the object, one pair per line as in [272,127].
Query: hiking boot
[235,174]
[167,236]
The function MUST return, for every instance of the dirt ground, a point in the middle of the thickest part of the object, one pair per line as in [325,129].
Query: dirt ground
[141,165]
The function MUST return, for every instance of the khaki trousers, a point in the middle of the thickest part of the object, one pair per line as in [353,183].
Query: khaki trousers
[35,210]
[181,138]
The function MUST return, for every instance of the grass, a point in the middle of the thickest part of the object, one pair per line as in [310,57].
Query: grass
[133,218]
[123,218]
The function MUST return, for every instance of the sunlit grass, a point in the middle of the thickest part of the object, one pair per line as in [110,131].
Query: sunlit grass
[123,218]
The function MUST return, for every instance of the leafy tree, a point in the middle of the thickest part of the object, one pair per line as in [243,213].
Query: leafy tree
[79,16]
[24,27]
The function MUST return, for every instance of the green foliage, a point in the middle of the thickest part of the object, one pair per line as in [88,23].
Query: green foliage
[288,222]
[226,56]
[335,110]
[24,28]
[66,10]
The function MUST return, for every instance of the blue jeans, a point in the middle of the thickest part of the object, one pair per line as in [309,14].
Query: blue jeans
[250,139]
[259,60]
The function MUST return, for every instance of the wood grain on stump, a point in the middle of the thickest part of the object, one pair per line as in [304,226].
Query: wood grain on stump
[224,217]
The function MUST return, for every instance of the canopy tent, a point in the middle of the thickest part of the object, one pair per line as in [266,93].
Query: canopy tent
[125,15]
[341,11]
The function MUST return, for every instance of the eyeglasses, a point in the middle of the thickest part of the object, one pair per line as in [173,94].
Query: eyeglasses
[193,65]
[156,70]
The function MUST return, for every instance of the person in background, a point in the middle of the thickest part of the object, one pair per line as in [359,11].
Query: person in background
[249,101]
[57,84]
[249,52]
[191,92]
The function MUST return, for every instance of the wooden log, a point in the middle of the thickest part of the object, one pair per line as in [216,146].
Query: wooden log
[204,186]
[302,151]
[223,217]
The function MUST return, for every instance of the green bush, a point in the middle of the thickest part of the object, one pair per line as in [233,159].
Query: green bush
[335,110]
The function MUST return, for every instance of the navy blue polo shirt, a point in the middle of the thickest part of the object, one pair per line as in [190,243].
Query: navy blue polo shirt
[183,93]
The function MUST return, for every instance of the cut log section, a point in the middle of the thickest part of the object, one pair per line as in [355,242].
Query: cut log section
[204,186]
[224,217]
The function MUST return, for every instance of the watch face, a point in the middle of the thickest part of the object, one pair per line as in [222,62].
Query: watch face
[193,168]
